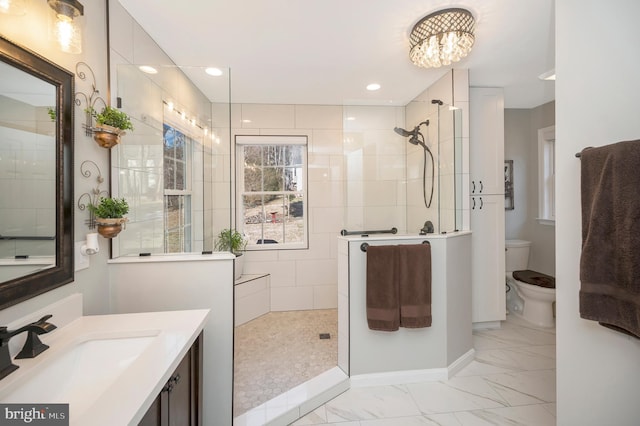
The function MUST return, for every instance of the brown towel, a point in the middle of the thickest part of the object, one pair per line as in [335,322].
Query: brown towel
[383,303]
[610,261]
[398,287]
[414,272]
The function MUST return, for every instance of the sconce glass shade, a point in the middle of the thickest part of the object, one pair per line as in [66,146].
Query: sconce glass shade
[13,7]
[65,24]
[442,38]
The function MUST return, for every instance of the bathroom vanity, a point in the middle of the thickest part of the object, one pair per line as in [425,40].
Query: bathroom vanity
[114,369]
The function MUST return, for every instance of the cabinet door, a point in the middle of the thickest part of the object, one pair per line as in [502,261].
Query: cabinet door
[185,389]
[486,141]
[488,269]
[180,401]
[180,395]
[154,415]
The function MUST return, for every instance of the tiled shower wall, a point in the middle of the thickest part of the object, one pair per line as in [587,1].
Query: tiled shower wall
[362,176]
[356,181]
[27,158]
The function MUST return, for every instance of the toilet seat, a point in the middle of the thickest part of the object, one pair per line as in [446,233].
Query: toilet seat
[535,278]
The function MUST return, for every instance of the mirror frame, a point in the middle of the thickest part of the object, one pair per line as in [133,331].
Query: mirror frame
[31,285]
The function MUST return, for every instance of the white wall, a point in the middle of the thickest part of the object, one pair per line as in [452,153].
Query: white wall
[521,146]
[598,372]
[30,30]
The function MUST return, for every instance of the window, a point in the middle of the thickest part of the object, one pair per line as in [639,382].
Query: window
[546,175]
[272,191]
[177,190]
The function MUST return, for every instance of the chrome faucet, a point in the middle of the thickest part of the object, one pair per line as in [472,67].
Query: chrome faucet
[32,346]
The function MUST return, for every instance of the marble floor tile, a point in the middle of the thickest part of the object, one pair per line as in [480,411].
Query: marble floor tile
[377,402]
[476,368]
[527,415]
[511,382]
[456,394]
[512,337]
[526,387]
[515,359]
[401,421]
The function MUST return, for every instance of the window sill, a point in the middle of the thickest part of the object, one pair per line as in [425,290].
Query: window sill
[549,222]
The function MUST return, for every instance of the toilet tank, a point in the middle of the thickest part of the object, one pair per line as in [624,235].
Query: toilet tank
[516,254]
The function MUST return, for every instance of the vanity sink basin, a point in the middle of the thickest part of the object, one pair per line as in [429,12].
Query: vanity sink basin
[109,368]
[79,374]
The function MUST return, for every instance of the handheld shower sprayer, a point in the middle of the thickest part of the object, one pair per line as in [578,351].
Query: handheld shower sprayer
[417,138]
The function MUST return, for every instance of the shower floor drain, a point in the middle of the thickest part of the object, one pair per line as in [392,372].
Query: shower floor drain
[325,336]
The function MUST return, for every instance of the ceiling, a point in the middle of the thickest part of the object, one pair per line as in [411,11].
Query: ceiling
[326,51]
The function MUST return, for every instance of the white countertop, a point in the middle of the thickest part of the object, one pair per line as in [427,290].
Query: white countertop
[130,394]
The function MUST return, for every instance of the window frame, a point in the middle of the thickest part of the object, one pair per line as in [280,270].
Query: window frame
[186,193]
[271,140]
[546,175]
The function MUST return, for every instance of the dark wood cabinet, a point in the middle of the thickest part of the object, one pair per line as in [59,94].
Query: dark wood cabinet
[180,401]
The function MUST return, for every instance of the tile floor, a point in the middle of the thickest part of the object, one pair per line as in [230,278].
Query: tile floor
[510,382]
[280,350]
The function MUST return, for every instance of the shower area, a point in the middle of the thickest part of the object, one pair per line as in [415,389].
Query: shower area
[378,168]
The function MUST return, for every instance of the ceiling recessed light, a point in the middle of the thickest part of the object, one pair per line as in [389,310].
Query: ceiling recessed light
[351,118]
[373,86]
[216,72]
[148,69]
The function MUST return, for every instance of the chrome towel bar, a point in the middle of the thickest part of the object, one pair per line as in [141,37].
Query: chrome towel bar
[365,246]
[393,230]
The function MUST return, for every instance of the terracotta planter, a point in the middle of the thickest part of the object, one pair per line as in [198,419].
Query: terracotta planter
[110,228]
[107,136]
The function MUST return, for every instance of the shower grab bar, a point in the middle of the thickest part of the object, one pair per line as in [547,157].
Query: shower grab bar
[5,237]
[393,230]
[365,246]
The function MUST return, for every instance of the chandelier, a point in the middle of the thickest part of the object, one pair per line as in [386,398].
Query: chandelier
[441,38]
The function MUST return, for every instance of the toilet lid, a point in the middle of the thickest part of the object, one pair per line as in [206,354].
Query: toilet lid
[535,278]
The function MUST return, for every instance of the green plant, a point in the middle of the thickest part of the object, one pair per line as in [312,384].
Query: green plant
[110,208]
[111,117]
[230,240]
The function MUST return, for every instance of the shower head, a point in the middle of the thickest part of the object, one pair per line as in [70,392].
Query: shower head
[405,133]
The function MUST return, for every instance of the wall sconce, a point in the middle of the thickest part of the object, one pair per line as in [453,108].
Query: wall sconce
[65,24]
[94,197]
[13,7]
[91,245]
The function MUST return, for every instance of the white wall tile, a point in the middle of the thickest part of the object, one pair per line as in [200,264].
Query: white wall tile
[291,298]
[262,116]
[325,297]
[318,116]
[316,272]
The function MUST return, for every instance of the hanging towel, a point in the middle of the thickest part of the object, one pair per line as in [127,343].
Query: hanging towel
[414,274]
[383,308]
[610,260]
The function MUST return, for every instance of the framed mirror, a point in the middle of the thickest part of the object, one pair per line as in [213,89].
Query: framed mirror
[36,174]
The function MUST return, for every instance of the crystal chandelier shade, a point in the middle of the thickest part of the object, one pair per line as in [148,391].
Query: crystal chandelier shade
[442,38]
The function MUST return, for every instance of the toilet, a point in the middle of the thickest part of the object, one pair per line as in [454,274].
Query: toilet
[530,294]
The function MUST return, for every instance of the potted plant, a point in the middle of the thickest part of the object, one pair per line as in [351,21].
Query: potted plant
[109,214]
[111,124]
[235,242]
